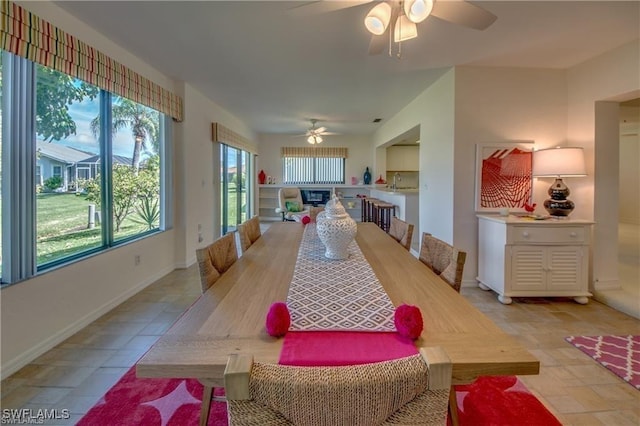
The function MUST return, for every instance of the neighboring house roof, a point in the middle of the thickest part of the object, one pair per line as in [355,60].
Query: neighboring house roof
[61,153]
[116,159]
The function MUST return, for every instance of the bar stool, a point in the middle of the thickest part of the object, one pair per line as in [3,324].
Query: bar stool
[382,214]
[367,209]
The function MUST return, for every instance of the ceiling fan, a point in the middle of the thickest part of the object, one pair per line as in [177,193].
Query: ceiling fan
[395,21]
[314,134]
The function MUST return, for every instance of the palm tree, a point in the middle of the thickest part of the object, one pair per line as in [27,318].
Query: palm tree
[144,123]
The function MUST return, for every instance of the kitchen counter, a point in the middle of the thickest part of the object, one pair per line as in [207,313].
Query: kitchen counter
[407,191]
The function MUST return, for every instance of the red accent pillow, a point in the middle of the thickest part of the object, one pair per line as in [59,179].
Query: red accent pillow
[408,321]
[278,319]
[305,219]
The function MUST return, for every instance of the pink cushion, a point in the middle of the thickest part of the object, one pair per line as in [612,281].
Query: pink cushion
[278,319]
[408,321]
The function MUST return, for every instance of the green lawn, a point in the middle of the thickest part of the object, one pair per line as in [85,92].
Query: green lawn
[232,209]
[62,230]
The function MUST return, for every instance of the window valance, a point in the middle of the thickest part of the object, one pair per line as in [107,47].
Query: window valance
[220,133]
[31,37]
[318,152]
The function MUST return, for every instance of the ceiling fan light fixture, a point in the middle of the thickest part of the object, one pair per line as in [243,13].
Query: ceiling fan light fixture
[314,139]
[418,10]
[404,30]
[377,20]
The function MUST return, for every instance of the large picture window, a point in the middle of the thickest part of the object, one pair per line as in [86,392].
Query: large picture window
[84,168]
[313,165]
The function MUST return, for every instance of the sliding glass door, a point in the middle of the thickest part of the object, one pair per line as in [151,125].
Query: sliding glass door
[235,179]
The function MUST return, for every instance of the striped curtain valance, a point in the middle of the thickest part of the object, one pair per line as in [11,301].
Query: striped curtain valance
[317,152]
[31,37]
[225,135]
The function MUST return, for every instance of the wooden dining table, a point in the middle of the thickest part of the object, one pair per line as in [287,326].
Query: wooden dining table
[230,317]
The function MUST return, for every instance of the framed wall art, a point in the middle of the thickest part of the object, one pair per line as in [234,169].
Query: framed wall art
[503,176]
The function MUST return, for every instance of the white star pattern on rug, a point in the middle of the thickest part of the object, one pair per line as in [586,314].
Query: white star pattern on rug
[167,405]
[336,294]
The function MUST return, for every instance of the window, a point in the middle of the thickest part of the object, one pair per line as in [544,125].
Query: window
[235,189]
[302,165]
[57,172]
[95,163]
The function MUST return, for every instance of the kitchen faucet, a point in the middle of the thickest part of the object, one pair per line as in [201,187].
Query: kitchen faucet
[396,178]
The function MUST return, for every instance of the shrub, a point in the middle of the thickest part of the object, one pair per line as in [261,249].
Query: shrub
[53,183]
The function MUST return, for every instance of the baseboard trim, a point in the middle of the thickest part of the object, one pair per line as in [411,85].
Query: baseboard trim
[606,284]
[9,367]
[186,263]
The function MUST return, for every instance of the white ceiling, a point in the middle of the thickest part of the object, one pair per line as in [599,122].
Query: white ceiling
[275,71]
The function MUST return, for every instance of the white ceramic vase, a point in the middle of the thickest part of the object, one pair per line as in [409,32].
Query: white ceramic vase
[336,229]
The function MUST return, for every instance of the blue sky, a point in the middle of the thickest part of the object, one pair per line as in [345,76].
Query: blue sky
[82,113]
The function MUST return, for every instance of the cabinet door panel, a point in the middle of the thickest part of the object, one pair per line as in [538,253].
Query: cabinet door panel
[527,268]
[564,268]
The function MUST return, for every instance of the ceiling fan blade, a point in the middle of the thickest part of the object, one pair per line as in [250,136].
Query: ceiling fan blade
[463,13]
[319,7]
[320,129]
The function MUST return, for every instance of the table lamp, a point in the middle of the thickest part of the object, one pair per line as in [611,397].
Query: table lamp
[558,163]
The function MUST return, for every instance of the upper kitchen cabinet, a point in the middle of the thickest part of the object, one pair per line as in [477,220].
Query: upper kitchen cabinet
[403,158]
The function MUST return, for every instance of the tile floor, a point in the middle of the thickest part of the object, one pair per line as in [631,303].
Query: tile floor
[76,373]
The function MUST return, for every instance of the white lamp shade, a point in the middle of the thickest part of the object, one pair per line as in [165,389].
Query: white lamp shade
[418,10]
[561,161]
[405,29]
[314,139]
[377,20]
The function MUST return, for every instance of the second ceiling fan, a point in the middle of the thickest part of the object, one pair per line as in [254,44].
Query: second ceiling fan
[314,134]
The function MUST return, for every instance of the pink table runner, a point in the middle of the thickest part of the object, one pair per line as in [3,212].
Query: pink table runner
[335,348]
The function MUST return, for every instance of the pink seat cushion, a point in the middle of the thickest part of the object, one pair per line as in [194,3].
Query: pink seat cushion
[335,348]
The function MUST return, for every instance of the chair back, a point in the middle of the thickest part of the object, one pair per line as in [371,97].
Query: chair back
[290,194]
[412,390]
[314,211]
[443,259]
[249,232]
[401,231]
[215,259]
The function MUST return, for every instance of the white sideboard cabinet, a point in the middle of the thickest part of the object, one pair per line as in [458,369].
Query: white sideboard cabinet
[522,257]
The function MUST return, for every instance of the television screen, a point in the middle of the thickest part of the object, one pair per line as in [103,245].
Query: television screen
[315,197]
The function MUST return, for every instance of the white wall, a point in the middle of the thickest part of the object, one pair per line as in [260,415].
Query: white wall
[360,154]
[605,79]
[41,312]
[433,111]
[629,194]
[494,105]
[198,172]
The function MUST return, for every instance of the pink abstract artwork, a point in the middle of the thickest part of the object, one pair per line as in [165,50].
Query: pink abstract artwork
[504,177]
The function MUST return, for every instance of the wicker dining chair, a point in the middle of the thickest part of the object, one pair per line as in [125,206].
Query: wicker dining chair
[249,231]
[215,259]
[443,259]
[412,390]
[401,231]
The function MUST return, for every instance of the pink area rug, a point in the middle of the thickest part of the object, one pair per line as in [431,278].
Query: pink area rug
[134,401]
[619,354]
